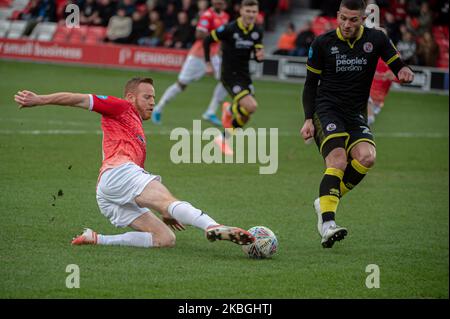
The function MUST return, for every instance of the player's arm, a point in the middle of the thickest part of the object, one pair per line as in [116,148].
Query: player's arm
[215,36]
[391,56]
[29,99]
[314,67]
[259,49]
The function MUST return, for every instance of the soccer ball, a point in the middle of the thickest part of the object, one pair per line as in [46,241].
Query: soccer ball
[265,244]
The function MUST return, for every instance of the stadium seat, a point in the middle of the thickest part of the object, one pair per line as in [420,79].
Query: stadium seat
[95,35]
[5,3]
[44,31]
[77,35]
[4,28]
[17,29]
[6,13]
[20,4]
[62,33]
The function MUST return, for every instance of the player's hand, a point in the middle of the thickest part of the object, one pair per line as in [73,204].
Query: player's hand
[27,99]
[209,68]
[173,223]
[307,131]
[259,55]
[406,75]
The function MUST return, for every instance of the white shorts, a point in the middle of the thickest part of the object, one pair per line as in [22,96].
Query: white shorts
[194,68]
[117,189]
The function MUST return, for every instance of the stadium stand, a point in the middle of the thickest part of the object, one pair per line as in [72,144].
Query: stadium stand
[44,31]
[4,28]
[17,29]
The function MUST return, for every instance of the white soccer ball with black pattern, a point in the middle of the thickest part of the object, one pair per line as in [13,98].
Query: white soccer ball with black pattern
[265,244]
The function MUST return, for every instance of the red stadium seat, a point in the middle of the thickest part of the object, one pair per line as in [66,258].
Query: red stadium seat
[62,34]
[95,34]
[5,3]
[78,35]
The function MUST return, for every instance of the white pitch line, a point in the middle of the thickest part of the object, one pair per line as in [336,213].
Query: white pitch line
[165,132]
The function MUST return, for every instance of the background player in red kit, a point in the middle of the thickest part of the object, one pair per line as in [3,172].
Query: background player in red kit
[381,85]
[126,193]
[194,68]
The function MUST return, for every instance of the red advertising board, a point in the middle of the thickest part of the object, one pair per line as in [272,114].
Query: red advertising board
[125,56]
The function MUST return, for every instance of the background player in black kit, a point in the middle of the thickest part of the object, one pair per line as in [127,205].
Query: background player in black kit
[344,61]
[240,40]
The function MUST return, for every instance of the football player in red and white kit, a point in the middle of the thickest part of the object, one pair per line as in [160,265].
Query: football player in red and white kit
[194,68]
[126,192]
[381,84]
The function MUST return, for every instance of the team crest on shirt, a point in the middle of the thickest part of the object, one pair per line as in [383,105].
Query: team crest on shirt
[334,50]
[368,47]
[331,127]
[255,35]
[236,89]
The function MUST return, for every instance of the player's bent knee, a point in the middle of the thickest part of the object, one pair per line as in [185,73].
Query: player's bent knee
[165,240]
[367,160]
[337,159]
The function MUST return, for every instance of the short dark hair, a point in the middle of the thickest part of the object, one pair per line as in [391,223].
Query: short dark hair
[132,84]
[249,3]
[354,4]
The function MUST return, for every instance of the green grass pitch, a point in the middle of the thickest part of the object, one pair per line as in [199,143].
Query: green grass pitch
[397,218]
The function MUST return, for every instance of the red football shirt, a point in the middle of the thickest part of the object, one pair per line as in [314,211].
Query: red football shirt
[381,82]
[123,133]
[209,20]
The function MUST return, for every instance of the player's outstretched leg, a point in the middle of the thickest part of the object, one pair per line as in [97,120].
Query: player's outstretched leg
[168,95]
[234,234]
[218,96]
[157,196]
[132,239]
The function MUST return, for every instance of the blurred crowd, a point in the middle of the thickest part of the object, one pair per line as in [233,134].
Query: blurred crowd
[168,23]
[409,24]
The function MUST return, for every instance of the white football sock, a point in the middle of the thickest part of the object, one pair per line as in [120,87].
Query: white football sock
[218,96]
[327,224]
[168,95]
[135,239]
[187,214]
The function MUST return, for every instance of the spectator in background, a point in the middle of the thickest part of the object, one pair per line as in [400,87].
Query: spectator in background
[154,35]
[183,34]
[427,50]
[442,9]
[190,8]
[304,39]
[269,9]
[139,27]
[106,10]
[129,7]
[286,43]
[399,10]
[89,12]
[119,27]
[202,6]
[425,19]
[170,16]
[407,48]
[392,27]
